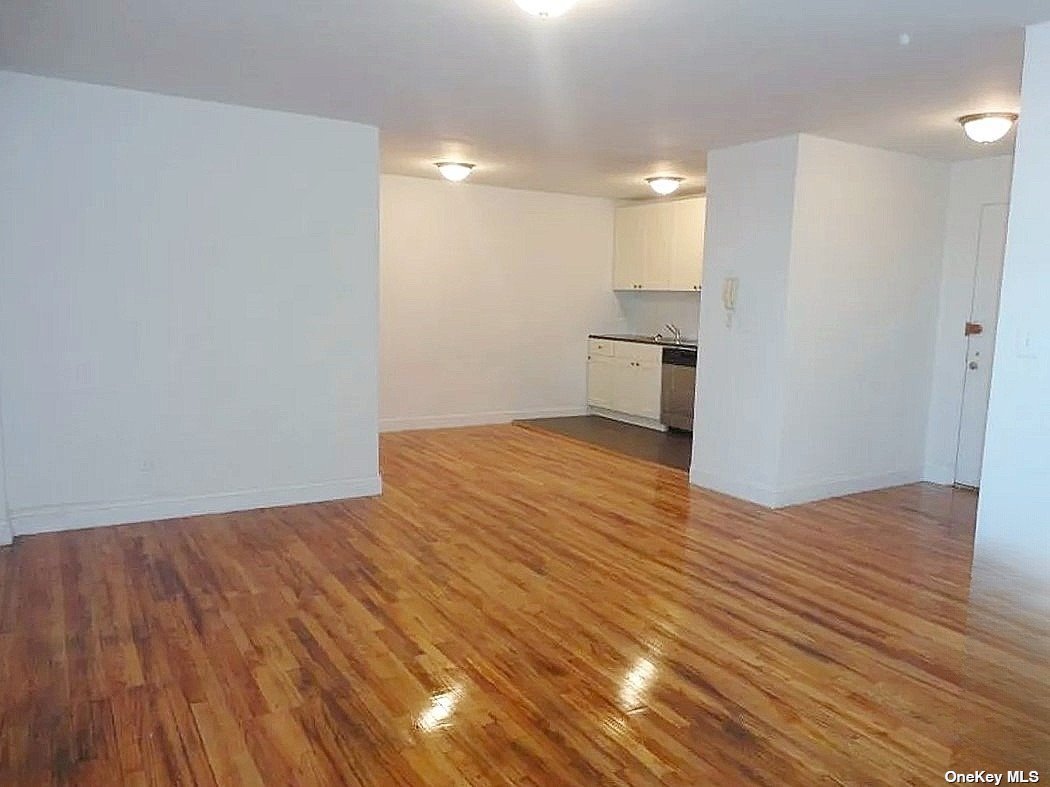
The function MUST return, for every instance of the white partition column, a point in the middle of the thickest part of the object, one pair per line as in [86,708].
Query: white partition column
[1013,524]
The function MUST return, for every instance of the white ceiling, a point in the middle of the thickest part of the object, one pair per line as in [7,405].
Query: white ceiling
[587,103]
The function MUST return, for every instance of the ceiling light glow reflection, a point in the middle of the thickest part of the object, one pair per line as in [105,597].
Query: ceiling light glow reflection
[438,714]
[635,685]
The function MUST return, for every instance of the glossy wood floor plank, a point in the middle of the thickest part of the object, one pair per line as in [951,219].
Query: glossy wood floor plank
[519,608]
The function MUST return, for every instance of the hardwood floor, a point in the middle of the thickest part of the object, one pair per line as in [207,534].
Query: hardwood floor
[523,609]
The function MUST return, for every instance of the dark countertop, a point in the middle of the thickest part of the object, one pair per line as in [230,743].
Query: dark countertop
[685,344]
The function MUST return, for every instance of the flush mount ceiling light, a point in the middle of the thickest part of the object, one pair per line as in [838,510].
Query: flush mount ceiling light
[664,185]
[988,127]
[546,8]
[454,171]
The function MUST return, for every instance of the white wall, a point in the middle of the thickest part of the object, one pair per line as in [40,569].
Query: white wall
[973,184]
[188,305]
[821,385]
[647,313]
[862,296]
[1015,487]
[487,298]
[750,210]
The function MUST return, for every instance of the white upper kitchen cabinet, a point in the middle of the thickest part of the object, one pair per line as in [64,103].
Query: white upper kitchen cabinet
[660,245]
[631,236]
[687,252]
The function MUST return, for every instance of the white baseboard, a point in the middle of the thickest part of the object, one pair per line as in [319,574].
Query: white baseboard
[840,487]
[802,493]
[51,519]
[473,419]
[6,534]
[634,420]
[752,493]
[939,474]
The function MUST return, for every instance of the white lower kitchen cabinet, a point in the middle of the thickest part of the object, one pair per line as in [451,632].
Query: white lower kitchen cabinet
[602,374]
[641,390]
[623,381]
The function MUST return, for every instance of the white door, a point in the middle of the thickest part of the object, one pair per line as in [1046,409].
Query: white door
[984,312]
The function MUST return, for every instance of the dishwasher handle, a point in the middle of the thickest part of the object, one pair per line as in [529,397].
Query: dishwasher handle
[677,356]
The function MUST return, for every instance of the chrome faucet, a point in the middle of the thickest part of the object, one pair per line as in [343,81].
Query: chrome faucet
[675,333]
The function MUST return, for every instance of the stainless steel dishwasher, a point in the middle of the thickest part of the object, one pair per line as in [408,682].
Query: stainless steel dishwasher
[678,388]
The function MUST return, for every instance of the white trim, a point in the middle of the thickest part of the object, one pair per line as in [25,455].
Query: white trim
[939,474]
[627,418]
[802,493]
[752,493]
[7,533]
[48,519]
[840,487]
[473,419]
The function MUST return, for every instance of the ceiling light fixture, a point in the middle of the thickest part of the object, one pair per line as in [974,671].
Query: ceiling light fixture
[546,8]
[988,127]
[664,185]
[454,171]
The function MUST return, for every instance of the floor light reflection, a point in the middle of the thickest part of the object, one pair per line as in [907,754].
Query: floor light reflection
[438,714]
[636,685]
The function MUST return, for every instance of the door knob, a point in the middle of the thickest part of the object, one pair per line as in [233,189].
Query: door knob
[973,365]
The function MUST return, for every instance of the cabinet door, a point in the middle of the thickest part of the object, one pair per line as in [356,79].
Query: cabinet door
[636,388]
[629,260]
[601,382]
[625,396]
[687,256]
[659,218]
[646,389]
